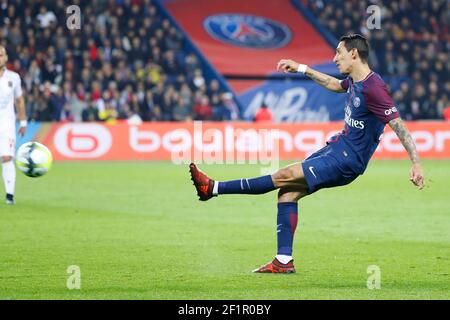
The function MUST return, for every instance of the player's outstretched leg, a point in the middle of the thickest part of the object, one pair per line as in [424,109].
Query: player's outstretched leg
[287,218]
[9,178]
[208,188]
[202,183]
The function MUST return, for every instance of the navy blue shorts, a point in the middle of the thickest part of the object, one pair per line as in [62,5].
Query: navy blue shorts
[331,166]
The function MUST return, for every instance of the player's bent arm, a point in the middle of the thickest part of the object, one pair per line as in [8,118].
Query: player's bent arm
[326,81]
[405,137]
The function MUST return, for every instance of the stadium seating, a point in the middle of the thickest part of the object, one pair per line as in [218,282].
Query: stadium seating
[129,61]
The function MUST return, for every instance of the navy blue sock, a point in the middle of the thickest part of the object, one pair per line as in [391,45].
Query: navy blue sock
[247,186]
[286,224]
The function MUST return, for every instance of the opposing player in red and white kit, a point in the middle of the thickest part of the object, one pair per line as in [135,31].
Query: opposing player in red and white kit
[10,95]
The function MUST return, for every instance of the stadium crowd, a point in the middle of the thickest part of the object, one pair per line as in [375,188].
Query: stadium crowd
[129,62]
[410,49]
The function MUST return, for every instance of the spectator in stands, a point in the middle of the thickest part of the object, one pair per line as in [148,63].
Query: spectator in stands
[214,90]
[230,108]
[191,64]
[173,40]
[197,81]
[446,113]
[75,107]
[31,104]
[167,104]
[169,64]
[263,114]
[46,18]
[57,104]
[202,110]
[109,113]
[151,111]
[91,112]
[127,113]
[182,111]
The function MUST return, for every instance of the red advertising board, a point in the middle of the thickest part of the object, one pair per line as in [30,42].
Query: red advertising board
[221,142]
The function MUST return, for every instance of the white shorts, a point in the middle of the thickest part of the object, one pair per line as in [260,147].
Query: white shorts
[7,145]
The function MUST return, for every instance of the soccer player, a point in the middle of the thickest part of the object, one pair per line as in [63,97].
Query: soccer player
[10,93]
[345,156]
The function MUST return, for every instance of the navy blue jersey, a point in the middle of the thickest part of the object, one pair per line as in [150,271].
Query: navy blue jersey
[367,110]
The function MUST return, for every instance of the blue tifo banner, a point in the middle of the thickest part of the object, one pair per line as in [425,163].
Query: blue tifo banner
[294,101]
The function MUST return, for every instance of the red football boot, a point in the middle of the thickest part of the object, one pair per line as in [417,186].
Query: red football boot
[276,267]
[202,183]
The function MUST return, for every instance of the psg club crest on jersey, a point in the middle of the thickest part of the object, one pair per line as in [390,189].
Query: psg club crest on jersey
[356,102]
[10,84]
[248,31]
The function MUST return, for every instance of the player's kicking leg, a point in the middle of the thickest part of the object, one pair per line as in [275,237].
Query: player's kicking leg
[292,185]
[9,178]
[287,218]
[290,176]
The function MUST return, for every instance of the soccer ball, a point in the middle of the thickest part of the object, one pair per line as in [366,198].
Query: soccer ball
[33,159]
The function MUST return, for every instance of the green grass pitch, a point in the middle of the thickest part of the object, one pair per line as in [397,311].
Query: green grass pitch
[137,231]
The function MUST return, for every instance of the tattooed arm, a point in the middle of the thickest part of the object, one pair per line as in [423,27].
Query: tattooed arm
[416,175]
[326,81]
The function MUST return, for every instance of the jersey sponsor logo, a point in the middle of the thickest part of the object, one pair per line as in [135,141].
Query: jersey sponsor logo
[248,31]
[390,111]
[358,124]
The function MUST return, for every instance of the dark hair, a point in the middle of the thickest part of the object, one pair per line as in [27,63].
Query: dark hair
[359,42]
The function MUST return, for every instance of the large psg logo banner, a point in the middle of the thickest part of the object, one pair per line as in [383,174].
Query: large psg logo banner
[244,40]
[248,31]
[249,37]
